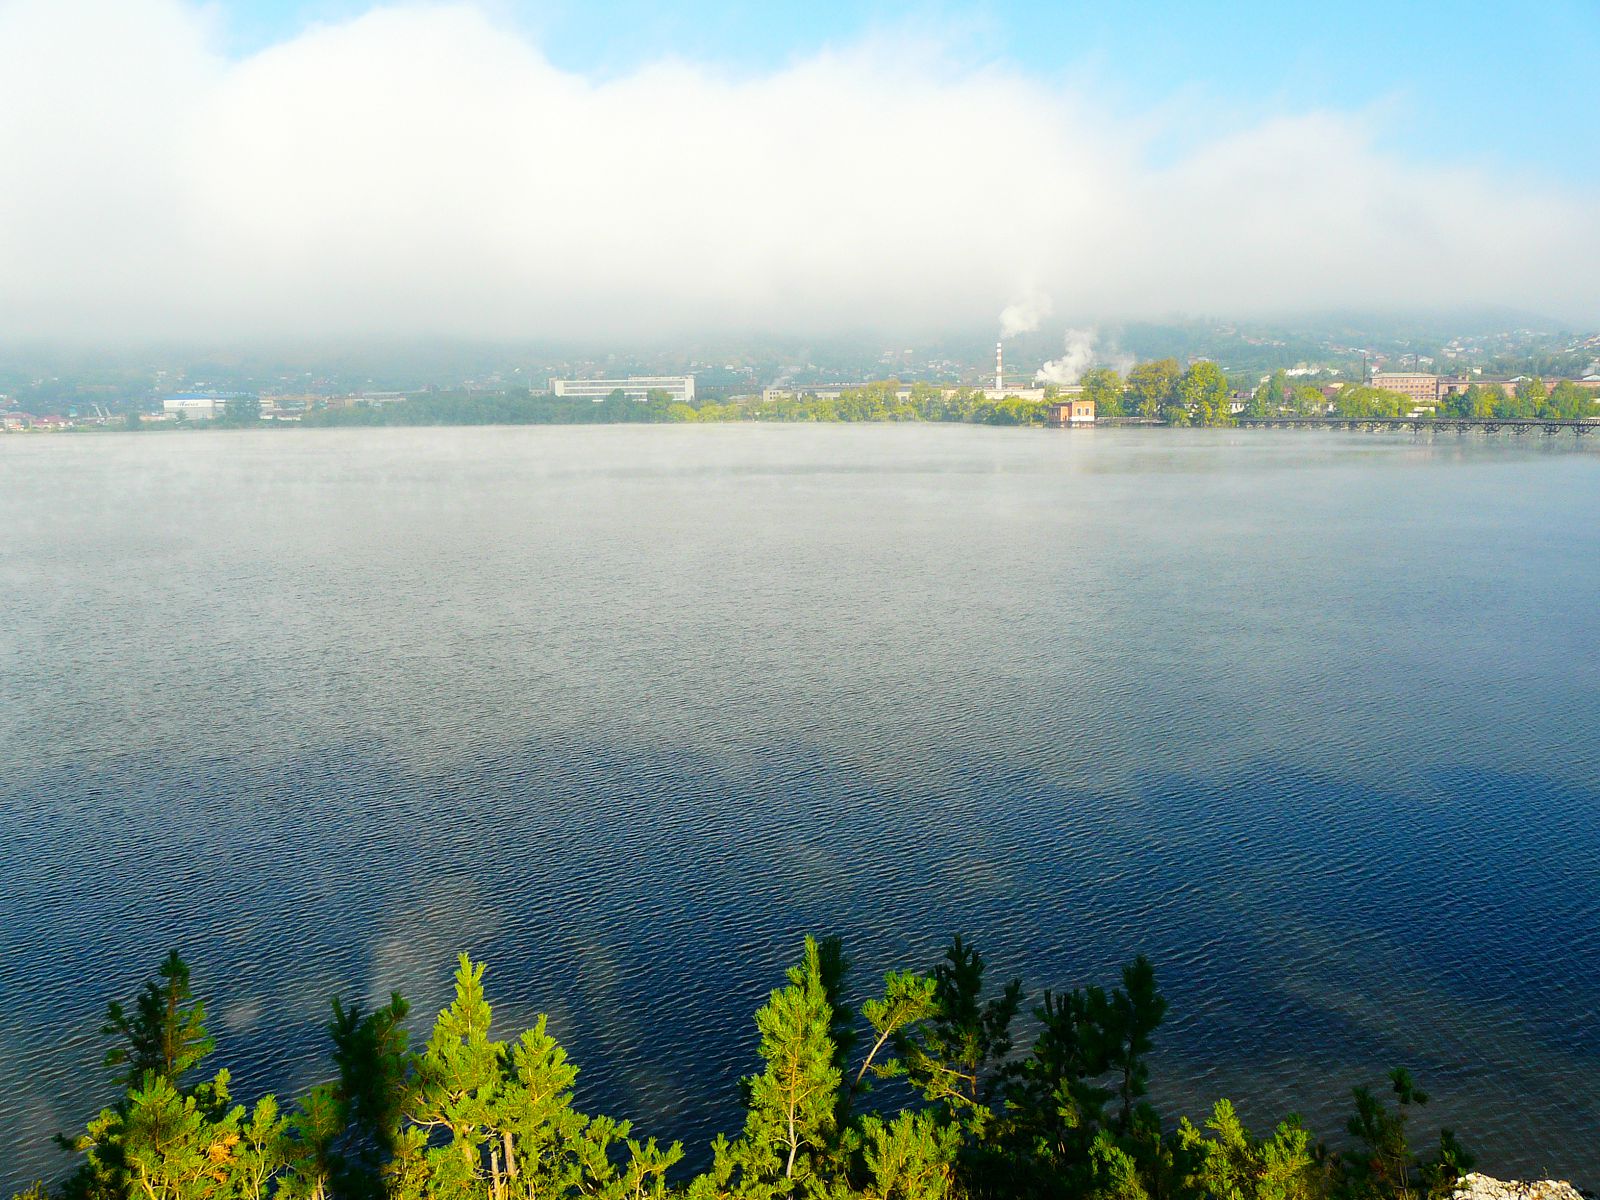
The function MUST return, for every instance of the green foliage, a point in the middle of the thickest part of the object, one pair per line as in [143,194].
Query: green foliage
[967,1114]
[1153,387]
[161,1139]
[1530,397]
[1357,401]
[1308,401]
[912,1157]
[955,1059]
[165,1034]
[1230,1164]
[1569,401]
[1384,1167]
[793,1105]
[1202,393]
[1271,398]
[242,412]
[1104,387]
[1476,402]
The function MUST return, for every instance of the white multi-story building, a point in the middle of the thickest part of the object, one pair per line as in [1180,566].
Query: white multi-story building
[192,408]
[635,387]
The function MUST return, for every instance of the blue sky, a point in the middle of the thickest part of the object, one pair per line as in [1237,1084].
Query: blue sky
[1496,85]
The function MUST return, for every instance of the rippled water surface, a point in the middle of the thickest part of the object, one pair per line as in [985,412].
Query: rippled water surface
[1310,719]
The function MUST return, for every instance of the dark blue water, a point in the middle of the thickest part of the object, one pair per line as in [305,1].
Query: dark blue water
[1311,720]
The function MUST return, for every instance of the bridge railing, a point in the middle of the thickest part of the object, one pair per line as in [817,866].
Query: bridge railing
[1551,425]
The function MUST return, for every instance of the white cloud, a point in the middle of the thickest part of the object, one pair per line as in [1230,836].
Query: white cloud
[423,170]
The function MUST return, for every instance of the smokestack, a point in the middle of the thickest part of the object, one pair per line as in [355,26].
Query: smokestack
[999,367]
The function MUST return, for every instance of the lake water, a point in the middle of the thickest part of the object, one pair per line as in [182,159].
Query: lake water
[1311,719]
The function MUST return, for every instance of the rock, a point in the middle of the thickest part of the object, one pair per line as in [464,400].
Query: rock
[1481,1187]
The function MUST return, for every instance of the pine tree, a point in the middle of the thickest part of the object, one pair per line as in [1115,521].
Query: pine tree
[1384,1167]
[1230,1164]
[909,1158]
[172,1150]
[954,1061]
[161,1041]
[373,1155]
[792,1124]
[1137,1010]
[456,1079]
[261,1155]
[166,1033]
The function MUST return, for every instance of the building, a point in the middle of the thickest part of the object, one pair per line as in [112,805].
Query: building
[1012,391]
[831,391]
[1076,411]
[191,408]
[1414,385]
[679,388]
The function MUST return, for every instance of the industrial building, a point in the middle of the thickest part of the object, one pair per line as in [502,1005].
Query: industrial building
[831,391]
[635,387]
[1415,385]
[1076,411]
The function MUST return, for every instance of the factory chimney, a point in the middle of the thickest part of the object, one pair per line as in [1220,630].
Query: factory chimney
[999,367]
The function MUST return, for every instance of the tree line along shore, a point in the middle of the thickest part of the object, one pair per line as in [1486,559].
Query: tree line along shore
[1159,392]
[933,1085]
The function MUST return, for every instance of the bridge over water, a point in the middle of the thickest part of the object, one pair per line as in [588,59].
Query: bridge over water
[1517,425]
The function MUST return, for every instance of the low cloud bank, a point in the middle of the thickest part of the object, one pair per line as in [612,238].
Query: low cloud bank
[424,170]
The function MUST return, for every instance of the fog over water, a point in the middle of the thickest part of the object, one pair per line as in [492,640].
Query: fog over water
[1309,719]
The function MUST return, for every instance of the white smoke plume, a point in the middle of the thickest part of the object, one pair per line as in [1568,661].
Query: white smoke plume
[1079,357]
[1024,315]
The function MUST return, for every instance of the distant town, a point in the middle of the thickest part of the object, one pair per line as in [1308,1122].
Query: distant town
[1200,372]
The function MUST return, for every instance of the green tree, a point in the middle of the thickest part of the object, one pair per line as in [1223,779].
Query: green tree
[1384,1167]
[1357,401]
[373,1153]
[1308,400]
[159,1043]
[171,1149]
[1075,1120]
[1530,398]
[1230,1164]
[1569,401]
[1152,386]
[165,1034]
[1103,386]
[242,411]
[1478,402]
[1202,392]
[472,1118]
[1271,397]
[912,1157]
[793,1116]
[263,1152]
[457,1075]
[955,1059]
